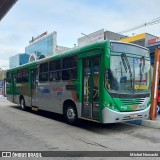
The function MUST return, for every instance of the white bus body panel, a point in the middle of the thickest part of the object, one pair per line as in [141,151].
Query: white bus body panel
[110,116]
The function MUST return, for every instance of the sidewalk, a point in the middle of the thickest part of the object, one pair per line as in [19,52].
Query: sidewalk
[151,123]
[148,122]
[2,98]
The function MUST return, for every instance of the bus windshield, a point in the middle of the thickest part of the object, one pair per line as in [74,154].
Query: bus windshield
[128,48]
[128,74]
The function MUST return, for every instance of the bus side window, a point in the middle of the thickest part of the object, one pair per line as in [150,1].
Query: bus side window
[25,75]
[43,73]
[69,70]
[55,70]
[19,76]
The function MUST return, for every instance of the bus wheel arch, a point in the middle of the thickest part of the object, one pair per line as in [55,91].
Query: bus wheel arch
[22,103]
[70,112]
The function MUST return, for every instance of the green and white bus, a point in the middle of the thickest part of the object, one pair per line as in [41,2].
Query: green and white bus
[106,82]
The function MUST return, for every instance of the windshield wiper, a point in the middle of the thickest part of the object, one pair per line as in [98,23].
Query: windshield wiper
[126,64]
[127,67]
[123,61]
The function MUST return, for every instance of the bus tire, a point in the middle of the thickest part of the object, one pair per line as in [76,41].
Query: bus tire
[70,114]
[22,104]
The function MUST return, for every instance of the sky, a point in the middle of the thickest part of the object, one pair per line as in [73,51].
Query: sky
[70,18]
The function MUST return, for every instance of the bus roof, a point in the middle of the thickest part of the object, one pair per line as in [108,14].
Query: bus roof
[70,52]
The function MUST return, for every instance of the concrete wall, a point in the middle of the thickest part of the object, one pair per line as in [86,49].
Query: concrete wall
[113,36]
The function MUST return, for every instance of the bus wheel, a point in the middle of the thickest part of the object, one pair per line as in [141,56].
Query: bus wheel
[70,115]
[22,104]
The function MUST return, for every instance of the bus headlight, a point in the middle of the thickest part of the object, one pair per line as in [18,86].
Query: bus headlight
[108,104]
[113,107]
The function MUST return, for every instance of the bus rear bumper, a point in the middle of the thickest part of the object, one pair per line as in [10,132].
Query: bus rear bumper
[110,116]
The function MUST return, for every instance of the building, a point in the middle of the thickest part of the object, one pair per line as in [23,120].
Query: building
[2,74]
[39,47]
[152,45]
[2,82]
[18,59]
[98,36]
[61,49]
[43,45]
[145,40]
[140,39]
[108,35]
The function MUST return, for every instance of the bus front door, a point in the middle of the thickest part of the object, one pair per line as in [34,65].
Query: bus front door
[90,105]
[34,87]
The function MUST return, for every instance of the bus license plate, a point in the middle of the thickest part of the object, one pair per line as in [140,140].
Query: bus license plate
[133,116]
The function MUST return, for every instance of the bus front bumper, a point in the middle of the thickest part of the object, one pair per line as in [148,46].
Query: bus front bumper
[110,116]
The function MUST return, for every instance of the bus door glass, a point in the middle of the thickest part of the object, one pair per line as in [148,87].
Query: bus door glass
[33,86]
[91,70]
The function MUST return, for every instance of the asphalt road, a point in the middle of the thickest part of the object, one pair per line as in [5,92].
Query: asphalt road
[45,131]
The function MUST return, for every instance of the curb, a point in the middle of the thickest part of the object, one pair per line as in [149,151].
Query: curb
[151,123]
[147,123]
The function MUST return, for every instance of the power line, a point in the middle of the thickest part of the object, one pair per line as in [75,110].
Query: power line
[152,22]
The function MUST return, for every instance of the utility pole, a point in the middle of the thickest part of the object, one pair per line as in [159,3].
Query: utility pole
[155,84]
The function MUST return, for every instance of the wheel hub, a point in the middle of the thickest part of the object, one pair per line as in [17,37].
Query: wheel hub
[70,113]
